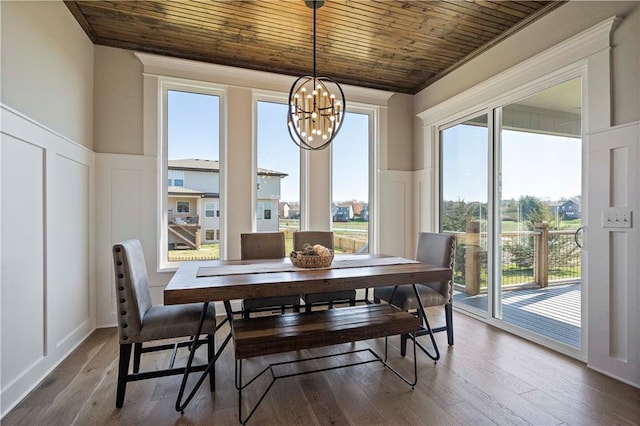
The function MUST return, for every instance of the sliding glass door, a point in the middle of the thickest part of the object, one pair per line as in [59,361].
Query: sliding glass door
[464,183]
[540,205]
[511,191]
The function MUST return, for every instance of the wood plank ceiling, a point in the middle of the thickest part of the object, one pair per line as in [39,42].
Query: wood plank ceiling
[400,46]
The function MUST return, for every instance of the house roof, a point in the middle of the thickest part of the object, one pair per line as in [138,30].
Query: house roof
[197,164]
[181,190]
[399,46]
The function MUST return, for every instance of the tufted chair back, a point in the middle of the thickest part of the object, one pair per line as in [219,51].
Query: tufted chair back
[132,289]
[438,250]
[262,245]
[300,238]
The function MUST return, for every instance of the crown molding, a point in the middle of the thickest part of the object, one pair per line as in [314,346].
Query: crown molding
[242,77]
[572,50]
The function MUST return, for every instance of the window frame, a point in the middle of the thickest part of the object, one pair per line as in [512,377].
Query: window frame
[373,112]
[377,126]
[166,84]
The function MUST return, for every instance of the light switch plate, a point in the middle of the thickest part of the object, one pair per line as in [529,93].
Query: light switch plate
[617,218]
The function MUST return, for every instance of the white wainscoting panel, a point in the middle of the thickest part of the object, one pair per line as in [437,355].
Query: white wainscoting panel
[396,209]
[126,208]
[46,221]
[614,269]
[23,266]
[68,220]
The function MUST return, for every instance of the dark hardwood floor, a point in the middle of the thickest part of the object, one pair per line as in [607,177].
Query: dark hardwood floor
[487,377]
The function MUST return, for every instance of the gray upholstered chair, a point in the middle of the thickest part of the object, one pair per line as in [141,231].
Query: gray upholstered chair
[265,245]
[140,322]
[325,238]
[434,249]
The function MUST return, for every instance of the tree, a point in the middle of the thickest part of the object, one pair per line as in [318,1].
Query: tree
[532,210]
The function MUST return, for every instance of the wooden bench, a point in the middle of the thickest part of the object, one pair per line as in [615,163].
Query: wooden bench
[290,332]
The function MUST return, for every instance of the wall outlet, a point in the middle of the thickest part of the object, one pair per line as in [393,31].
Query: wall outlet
[617,218]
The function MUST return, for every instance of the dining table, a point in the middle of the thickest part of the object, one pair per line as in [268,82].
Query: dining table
[227,280]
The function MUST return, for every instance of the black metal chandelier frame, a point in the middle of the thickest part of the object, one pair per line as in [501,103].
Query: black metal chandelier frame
[316,113]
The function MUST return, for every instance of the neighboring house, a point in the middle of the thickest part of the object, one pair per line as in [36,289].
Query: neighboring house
[569,210]
[364,213]
[342,213]
[283,210]
[193,202]
[294,210]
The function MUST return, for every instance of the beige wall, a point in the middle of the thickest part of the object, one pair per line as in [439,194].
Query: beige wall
[400,132]
[626,68]
[47,67]
[118,101]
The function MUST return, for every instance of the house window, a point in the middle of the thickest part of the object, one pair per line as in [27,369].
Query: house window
[210,211]
[191,143]
[182,206]
[176,178]
[263,211]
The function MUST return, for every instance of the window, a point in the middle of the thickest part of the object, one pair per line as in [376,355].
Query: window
[191,152]
[210,211]
[350,183]
[176,178]
[278,172]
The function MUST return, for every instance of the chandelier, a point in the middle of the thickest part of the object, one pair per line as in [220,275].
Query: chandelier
[316,104]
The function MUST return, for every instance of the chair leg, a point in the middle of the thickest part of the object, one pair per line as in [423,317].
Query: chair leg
[352,302]
[123,371]
[137,353]
[211,354]
[403,344]
[448,313]
[245,314]
[307,307]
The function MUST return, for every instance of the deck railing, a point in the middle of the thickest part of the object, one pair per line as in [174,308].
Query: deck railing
[528,258]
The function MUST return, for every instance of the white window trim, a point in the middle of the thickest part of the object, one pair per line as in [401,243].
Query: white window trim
[166,84]
[377,137]
[585,55]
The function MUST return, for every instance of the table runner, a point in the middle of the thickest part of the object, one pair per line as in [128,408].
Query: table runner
[287,266]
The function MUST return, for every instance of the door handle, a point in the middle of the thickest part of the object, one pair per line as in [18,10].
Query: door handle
[575,236]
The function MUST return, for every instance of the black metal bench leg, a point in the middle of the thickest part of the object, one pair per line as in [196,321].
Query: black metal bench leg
[123,371]
[211,355]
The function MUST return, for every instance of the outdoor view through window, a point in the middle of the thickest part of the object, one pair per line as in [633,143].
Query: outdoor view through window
[538,206]
[193,177]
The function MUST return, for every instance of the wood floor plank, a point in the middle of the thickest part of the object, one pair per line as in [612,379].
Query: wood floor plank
[488,377]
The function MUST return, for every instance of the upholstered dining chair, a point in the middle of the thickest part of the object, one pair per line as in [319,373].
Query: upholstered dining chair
[325,238]
[139,321]
[438,250]
[265,245]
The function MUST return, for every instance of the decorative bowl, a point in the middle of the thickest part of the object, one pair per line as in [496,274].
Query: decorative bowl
[310,261]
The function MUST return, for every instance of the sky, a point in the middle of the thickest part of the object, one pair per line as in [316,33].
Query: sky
[194,133]
[547,167]
[543,166]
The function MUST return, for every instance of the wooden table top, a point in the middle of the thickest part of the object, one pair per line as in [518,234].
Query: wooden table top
[187,287]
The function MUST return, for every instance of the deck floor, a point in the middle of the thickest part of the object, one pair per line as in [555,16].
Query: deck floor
[553,312]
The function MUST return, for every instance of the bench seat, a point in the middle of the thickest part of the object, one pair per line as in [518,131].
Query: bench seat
[295,331]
